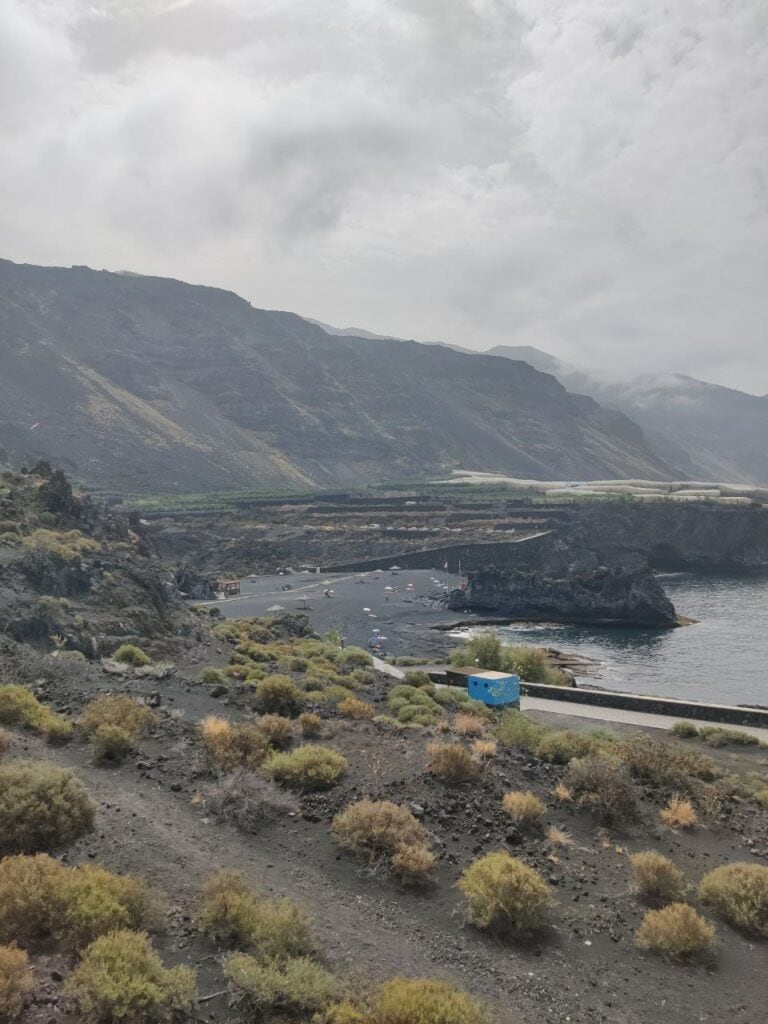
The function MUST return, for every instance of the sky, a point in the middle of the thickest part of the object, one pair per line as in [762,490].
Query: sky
[586,176]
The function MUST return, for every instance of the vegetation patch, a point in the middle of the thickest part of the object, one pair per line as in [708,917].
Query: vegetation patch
[130,654]
[294,986]
[676,932]
[16,982]
[421,1001]
[451,763]
[277,730]
[603,788]
[412,705]
[42,808]
[523,808]
[309,767]
[530,663]
[247,800]
[357,710]
[656,878]
[229,745]
[278,694]
[20,707]
[678,813]
[115,723]
[504,894]
[739,894]
[311,725]
[121,979]
[386,832]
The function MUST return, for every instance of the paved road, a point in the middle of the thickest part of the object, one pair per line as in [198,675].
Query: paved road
[639,718]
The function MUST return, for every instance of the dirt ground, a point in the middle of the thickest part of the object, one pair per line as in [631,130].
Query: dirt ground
[153,822]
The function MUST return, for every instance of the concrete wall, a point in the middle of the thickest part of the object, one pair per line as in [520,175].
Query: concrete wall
[501,554]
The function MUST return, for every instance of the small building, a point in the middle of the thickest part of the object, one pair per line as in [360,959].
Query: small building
[497,689]
[228,588]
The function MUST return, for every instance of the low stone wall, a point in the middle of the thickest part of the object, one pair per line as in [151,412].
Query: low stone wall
[471,556]
[727,714]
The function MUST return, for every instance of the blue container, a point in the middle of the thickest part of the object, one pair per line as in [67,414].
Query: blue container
[496,689]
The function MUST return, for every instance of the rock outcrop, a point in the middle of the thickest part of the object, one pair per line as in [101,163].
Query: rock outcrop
[603,596]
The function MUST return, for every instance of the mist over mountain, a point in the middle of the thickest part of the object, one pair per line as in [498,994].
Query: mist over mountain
[708,431]
[147,384]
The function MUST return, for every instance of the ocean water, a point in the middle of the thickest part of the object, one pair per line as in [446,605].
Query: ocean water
[722,658]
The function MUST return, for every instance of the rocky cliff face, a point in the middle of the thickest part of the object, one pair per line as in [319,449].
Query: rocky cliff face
[147,385]
[603,596]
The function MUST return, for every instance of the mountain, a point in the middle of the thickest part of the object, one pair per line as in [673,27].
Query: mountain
[708,431]
[149,385]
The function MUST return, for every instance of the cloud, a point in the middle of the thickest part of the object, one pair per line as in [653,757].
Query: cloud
[586,177]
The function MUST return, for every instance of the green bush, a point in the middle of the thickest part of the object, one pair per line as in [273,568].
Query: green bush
[561,747]
[515,730]
[115,723]
[685,730]
[111,743]
[483,650]
[130,654]
[307,768]
[121,980]
[16,982]
[19,706]
[739,894]
[42,808]
[42,899]
[213,677]
[451,696]
[666,766]
[420,680]
[278,694]
[676,932]
[717,736]
[355,657]
[532,665]
[233,914]
[296,986]
[505,894]
[421,1001]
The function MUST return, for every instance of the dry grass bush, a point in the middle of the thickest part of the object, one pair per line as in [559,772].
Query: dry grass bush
[523,808]
[111,743]
[678,813]
[451,763]
[230,745]
[311,725]
[515,730]
[295,986]
[505,894]
[233,914]
[127,713]
[422,1001]
[466,724]
[604,788]
[413,865]
[676,932]
[121,980]
[19,706]
[739,894]
[684,730]
[246,800]
[279,695]
[484,749]
[561,747]
[656,878]
[308,768]
[130,654]
[66,544]
[5,742]
[374,827]
[277,730]
[665,766]
[42,807]
[558,836]
[16,982]
[40,898]
[357,710]
[562,794]
[718,736]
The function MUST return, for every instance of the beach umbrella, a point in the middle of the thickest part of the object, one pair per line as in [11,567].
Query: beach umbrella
[366,609]
[375,630]
[389,588]
[276,608]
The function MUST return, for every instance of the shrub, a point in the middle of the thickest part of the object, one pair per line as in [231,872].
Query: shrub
[355,657]
[451,697]
[562,793]
[717,736]
[421,1001]
[277,730]
[233,914]
[523,808]
[213,677]
[515,730]
[42,807]
[451,763]
[664,765]
[739,894]
[685,730]
[483,749]
[413,864]
[229,746]
[466,724]
[307,768]
[297,985]
[246,800]
[656,878]
[311,725]
[358,710]
[16,982]
[483,650]
[65,544]
[504,893]
[561,747]
[559,836]
[5,742]
[532,665]
[336,694]
[678,813]
[411,704]
[115,723]
[676,932]
[278,694]
[130,654]
[604,788]
[374,827]
[121,979]
[19,706]
[419,679]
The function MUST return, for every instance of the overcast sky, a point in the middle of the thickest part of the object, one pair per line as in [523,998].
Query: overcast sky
[586,176]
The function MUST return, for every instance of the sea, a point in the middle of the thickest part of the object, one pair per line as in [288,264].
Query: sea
[721,658]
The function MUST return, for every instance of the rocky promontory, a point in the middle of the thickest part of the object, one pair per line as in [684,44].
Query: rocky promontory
[604,596]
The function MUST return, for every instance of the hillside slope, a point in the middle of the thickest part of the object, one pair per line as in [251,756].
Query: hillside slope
[708,431]
[150,385]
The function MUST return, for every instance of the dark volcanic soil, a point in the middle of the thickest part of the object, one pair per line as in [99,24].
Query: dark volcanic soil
[153,822]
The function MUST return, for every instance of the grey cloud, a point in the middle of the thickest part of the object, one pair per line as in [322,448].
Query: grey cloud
[586,178]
